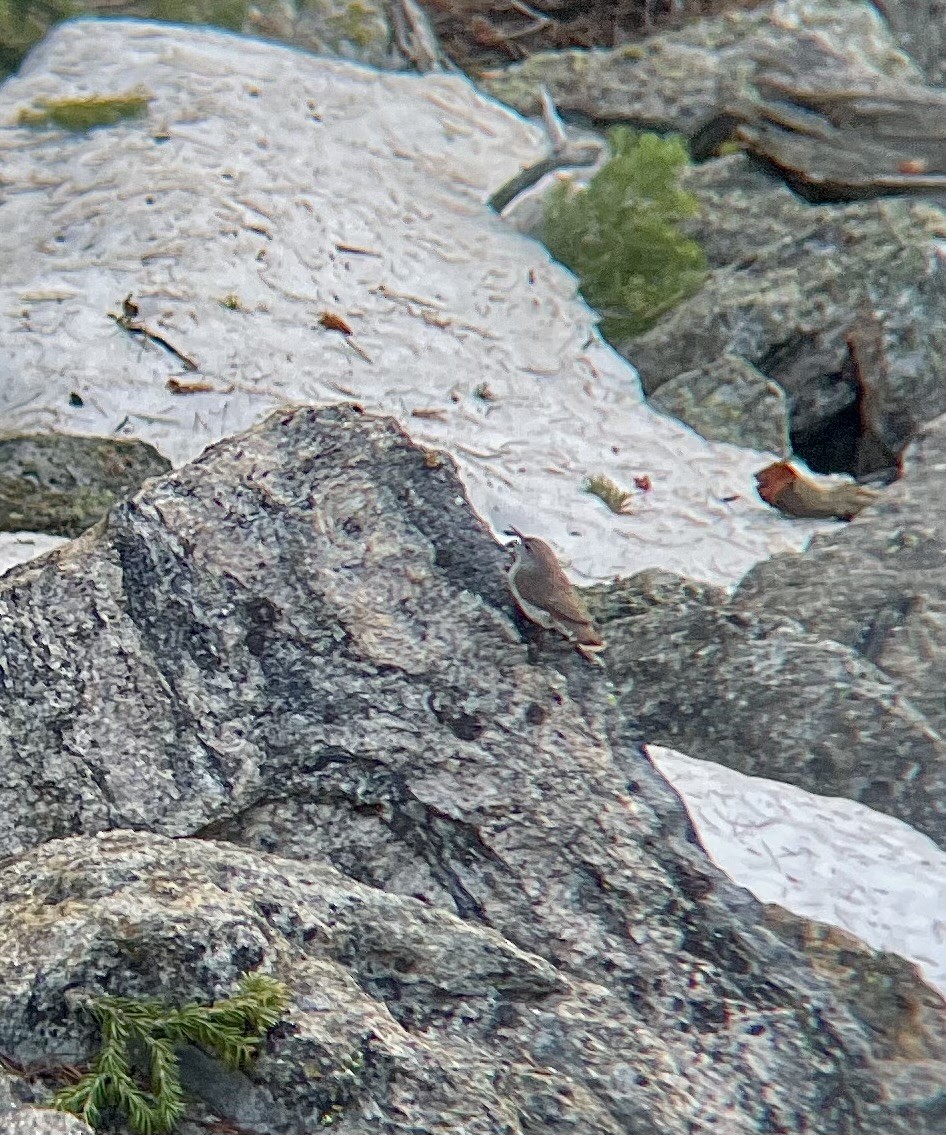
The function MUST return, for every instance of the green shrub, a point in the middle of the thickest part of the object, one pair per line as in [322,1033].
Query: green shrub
[620,235]
[139,1042]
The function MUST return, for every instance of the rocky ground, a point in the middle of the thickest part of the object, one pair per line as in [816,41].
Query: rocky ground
[276,711]
[466,871]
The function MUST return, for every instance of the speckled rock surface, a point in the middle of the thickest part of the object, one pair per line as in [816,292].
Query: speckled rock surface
[789,307]
[62,485]
[877,586]
[757,692]
[673,81]
[920,29]
[308,649]
[731,401]
[389,997]
[19,1118]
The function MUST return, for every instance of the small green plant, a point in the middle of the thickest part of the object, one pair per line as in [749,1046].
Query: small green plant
[620,235]
[84,113]
[139,1043]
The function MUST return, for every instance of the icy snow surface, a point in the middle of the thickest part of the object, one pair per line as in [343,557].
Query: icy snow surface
[299,186]
[823,857]
[268,187]
[18,547]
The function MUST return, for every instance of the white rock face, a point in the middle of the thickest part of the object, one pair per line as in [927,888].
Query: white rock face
[822,857]
[297,186]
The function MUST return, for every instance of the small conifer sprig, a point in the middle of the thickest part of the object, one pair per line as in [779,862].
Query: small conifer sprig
[620,235]
[140,1037]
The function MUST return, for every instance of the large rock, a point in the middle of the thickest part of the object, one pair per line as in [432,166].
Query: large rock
[729,400]
[759,693]
[837,129]
[824,669]
[678,80]
[303,643]
[62,485]
[817,88]
[791,299]
[380,986]
[877,586]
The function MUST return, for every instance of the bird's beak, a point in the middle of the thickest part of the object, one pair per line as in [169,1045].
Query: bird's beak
[510,531]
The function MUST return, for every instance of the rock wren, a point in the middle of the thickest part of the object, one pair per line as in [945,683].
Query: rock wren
[545,595]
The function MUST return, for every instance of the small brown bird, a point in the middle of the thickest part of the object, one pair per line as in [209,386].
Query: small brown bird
[545,595]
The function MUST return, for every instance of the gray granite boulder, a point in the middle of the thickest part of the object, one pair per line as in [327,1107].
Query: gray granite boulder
[877,586]
[788,298]
[729,400]
[498,918]
[920,29]
[679,80]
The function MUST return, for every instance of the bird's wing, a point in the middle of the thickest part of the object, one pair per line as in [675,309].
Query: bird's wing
[566,604]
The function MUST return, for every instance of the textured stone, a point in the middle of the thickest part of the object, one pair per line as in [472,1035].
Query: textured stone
[744,210]
[790,307]
[919,26]
[877,586]
[729,400]
[836,129]
[302,643]
[756,692]
[62,485]
[824,669]
[674,80]
[18,1117]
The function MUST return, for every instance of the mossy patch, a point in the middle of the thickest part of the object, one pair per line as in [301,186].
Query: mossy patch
[230,14]
[84,113]
[357,23]
[24,23]
[621,234]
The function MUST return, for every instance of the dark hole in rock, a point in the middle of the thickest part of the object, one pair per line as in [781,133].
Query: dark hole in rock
[831,446]
[842,443]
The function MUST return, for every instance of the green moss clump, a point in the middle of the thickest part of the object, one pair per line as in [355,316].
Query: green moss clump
[140,1039]
[620,235]
[84,113]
